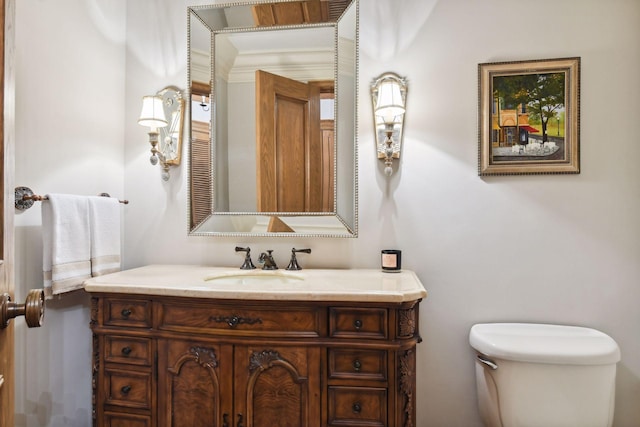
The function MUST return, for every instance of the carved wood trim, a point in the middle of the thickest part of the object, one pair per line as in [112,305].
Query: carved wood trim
[204,357]
[407,380]
[407,323]
[96,360]
[95,368]
[267,359]
[94,311]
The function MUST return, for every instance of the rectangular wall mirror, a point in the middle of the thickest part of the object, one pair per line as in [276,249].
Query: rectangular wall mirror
[273,118]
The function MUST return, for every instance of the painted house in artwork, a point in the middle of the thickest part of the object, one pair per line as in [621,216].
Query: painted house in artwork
[510,126]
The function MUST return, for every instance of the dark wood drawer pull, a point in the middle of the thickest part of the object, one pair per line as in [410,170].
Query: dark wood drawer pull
[126,350]
[234,321]
[126,313]
[357,408]
[357,324]
[125,389]
[357,365]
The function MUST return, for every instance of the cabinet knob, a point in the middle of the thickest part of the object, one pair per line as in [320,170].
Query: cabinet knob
[240,423]
[126,350]
[357,408]
[357,365]
[225,420]
[357,324]
[126,312]
[125,389]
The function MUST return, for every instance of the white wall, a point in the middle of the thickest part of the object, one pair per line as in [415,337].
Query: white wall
[559,249]
[69,139]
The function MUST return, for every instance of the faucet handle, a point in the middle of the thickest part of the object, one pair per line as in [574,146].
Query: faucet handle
[293,264]
[247,264]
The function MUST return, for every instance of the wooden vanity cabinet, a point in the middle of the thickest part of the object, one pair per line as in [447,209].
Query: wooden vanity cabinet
[190,362]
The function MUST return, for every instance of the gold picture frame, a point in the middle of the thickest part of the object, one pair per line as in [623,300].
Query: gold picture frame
[529,117]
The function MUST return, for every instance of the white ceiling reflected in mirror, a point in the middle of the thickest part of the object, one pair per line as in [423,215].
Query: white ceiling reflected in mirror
[163,114]
[273,87]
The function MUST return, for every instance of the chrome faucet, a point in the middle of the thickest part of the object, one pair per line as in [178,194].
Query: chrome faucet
[248,264]
[293,264]
[267,260]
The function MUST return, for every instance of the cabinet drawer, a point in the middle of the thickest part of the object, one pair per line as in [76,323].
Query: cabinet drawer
[127,312]
[241,321]
[358,364]
[127,388]
[357,406]
[358,323]
[134,351]
[114,419]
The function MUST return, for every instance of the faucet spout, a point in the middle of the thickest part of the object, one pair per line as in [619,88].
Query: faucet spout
[267,260]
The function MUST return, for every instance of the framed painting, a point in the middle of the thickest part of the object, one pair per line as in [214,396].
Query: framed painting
[529,117]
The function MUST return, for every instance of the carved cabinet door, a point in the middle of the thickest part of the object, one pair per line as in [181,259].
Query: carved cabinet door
[277,386]
[194,384]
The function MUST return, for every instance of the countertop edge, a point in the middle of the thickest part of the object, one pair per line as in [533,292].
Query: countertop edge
[140,282]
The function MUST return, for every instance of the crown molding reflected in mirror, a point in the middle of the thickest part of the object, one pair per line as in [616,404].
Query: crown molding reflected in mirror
[248,177]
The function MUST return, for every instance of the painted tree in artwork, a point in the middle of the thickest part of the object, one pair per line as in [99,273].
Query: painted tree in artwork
[543,94]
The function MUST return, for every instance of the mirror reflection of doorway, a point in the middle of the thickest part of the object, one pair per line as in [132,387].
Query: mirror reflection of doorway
[295,148]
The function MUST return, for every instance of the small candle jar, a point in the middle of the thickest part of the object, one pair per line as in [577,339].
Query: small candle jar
[391,260]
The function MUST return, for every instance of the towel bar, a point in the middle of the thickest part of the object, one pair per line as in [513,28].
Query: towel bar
[25,198]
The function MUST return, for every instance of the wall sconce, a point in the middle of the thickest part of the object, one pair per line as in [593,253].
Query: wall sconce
[389,95]
[163,113]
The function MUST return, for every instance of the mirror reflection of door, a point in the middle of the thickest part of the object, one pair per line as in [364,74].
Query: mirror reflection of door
[295,164]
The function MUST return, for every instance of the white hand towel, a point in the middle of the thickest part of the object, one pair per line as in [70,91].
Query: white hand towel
[66,243]
[104,218]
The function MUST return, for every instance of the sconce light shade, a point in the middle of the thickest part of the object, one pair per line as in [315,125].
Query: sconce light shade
[390,102]
[152,114]
[388,95]
[165,137]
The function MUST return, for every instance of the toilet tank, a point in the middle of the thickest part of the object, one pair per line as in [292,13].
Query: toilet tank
[532,375]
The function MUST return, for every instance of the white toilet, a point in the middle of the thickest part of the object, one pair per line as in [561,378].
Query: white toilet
[533,375]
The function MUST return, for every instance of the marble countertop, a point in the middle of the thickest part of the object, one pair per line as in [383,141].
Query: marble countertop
[232,283]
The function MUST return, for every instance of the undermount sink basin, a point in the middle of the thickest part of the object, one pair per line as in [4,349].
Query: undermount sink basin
[251,277]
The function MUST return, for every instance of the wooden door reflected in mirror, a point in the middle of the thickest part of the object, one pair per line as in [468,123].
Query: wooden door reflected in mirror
[295,148]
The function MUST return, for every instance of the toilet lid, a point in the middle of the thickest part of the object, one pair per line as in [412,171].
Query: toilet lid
[539,343]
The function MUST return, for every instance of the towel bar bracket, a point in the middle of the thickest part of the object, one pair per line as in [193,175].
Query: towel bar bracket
[23,203]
